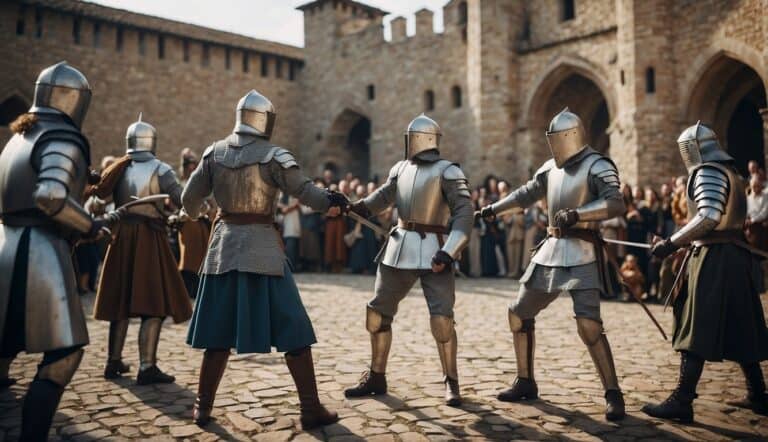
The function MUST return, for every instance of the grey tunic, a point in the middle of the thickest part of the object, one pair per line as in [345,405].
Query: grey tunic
[254,248]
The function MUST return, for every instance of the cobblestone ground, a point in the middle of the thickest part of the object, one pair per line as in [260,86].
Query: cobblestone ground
[257,401]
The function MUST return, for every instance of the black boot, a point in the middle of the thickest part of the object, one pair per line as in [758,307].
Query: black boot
[679,405]
[313,413]
[371,384]
[614,405]
[115,369]
[756,399]
[211,371]
[39,407]
[522,388]
[153,375]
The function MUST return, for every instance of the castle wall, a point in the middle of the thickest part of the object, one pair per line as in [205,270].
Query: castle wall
[191,104]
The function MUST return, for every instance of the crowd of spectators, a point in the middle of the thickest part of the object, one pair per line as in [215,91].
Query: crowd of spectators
[499,248]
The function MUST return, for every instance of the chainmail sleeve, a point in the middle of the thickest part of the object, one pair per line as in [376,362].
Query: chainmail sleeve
[709,188]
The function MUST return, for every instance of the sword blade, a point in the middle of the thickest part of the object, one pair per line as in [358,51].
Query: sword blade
[145,200]
[378,230]
[640,245]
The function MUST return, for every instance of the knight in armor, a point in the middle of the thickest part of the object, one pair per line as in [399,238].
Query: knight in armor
[717,309]
[248,300]
[581,187]
[44,170]
[432,198]
[140,278]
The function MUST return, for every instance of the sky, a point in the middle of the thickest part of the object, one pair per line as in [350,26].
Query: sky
[276,20]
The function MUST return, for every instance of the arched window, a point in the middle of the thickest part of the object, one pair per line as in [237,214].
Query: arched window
[371,92]
[568,10]
[429,100]
[11,108]
[456,96]
[650,80]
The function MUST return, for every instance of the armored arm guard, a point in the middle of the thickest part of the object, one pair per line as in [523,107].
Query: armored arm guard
[384,196]
[170,184]
[285,171]
[528,194]
[604,181]
[198,187]
[709,189]
[455,187]
[62,166]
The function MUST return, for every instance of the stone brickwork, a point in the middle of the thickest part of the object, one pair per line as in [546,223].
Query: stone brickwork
[637,71]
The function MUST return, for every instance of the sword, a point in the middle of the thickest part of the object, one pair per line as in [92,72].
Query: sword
[144,200]
[376,229]
[640,245]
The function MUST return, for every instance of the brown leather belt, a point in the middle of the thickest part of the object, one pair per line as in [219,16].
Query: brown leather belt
[585,234]
[423,229]
[244,218]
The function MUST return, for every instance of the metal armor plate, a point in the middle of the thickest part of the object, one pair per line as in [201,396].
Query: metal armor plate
[736,203]
[18,178]
[419,199]
[141,178]
[54,316]
[568,189]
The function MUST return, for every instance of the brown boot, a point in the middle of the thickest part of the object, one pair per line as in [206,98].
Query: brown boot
[211,371]
[313,413]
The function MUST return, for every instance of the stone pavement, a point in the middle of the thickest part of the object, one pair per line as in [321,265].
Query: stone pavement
[257,401]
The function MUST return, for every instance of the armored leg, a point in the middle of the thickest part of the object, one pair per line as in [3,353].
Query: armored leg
[444,332]
[679,405]
[756,399]
[592,334]
[374,382]
[115,366]
[211,371]
[302,368]
[45,393]
[5,380]
[149,337]
[524,340]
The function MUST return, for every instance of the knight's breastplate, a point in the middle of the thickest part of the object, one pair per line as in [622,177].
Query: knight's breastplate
[568,189]
[139,180]
[419,194]
[244,190]
[736,205]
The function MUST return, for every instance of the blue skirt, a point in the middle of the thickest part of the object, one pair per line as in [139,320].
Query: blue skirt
[251,313]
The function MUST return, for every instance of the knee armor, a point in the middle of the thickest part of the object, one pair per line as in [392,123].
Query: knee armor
[589,330]
[519,325]
[375,321]
[442,328]
[61,371]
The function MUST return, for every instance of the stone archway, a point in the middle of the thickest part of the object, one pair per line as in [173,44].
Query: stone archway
[579,88]
[730,96]
[348,143]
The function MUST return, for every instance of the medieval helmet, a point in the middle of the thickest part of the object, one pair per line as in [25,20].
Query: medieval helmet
[255,115]
[62,89]
[698,143]
[141,137]
[565,136]
[423,134]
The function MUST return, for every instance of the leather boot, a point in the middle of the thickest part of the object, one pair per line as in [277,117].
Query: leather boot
[756,399]
[679,405]
[302,368]
[40,405]
[524,386]
[149,337]
[614,405]
[115,366]
[370,384]
[211,371]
